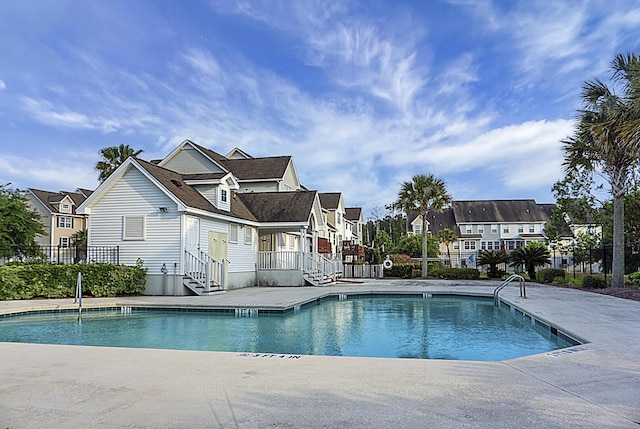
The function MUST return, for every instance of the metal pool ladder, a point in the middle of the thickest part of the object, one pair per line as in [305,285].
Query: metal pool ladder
[512,277]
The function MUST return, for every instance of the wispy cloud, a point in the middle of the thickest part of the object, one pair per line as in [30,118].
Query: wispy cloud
[2,85]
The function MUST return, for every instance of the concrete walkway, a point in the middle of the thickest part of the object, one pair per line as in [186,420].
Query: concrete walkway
[595,385]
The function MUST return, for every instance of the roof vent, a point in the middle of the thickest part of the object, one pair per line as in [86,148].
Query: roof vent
[176,182]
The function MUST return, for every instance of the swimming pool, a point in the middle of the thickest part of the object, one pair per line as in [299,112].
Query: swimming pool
[372,326]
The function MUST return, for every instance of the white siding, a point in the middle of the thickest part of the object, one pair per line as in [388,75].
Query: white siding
[242,257]
[135,195]
[189,160]
[271,186]
[290,179]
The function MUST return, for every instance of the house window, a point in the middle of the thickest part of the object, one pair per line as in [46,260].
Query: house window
[417,229]
[292,242]
[480,229]
[248,235]
[505,229]
[494,229]
[468,229]
[65,206]
[133,228]
[520,229]
[483,245]
[65,222]
[532,228]
[456,245]
[233,233]
[469,245]
[64,241]
[338,217]
[223,195]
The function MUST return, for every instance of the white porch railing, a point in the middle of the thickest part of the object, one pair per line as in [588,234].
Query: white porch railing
[318,267]
[281,260]
[204,270]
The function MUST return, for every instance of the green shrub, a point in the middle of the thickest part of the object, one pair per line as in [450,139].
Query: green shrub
[26,281]
[574,282]
[459,273]
[634,278]
[412,270]
[592,282]
[402,270]
[547,275]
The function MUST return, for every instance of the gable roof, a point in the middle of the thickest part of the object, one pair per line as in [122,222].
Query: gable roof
[353,213]
[441,220]
[497,211]
[237,153]
[188,195]
[292,206]
[330,200]
[51,200]
[248,168]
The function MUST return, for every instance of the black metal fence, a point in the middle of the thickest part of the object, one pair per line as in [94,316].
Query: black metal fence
[62,255]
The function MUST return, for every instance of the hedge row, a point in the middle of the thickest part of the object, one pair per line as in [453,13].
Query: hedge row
[458,273]
[26,281]
[412,270]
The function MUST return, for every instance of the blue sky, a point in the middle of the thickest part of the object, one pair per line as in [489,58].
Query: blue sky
[362,94]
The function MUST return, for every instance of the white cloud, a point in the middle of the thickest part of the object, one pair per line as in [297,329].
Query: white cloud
[3,86]
[57,172]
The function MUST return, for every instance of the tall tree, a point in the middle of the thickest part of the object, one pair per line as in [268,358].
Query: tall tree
[447,236]
[20,224]
[112,158]
[423,193]
[606,141]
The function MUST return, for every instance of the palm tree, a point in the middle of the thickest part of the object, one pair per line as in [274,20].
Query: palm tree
[422,194]
[447,236]
[492,259]
[112,158]
[606,141]
[534,254]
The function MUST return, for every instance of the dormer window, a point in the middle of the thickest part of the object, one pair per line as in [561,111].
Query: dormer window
[65,206]
[223,195]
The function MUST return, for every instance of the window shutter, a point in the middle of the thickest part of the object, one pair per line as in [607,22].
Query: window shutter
[133,228]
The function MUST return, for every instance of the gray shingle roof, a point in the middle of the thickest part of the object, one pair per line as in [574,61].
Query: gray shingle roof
[51,200]
[353,213]
[293,206]
[330,200]
[252,168]
[257,168]
[188,195]
[497,211]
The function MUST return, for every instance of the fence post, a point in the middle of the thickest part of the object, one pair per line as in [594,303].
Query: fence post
[604,263]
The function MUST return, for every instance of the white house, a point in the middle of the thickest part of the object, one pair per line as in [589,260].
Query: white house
[202,222]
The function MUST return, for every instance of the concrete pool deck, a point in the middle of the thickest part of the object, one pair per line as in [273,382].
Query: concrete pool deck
[595,385]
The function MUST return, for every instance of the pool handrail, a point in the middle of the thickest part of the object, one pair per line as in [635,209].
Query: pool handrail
[512,277]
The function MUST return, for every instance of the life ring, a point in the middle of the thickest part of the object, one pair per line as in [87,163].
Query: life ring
[387,264]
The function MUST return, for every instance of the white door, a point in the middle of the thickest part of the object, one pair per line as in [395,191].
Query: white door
[192,234]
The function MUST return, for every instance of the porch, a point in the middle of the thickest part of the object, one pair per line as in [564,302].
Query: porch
[291,267]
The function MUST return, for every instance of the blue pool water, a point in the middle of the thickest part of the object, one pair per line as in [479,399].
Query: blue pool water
[434,328]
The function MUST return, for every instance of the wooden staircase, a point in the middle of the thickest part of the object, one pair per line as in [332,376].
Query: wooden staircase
[204,275]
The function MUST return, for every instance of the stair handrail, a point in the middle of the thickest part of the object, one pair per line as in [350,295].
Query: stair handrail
[505,283]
